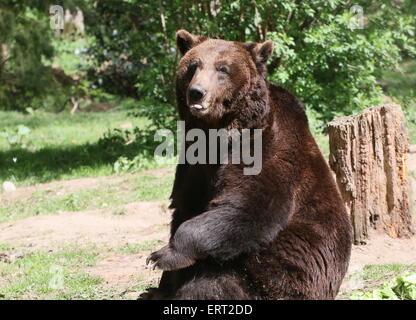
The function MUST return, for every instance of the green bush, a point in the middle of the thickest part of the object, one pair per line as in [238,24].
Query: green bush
[129,50]
[17,138]
[401,288]
[331,68]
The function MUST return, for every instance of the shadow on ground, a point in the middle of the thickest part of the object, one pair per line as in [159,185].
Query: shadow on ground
[53,163]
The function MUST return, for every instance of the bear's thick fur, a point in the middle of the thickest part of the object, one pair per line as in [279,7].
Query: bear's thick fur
[281,234]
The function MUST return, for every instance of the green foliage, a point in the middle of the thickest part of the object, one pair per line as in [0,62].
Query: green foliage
[61,146]
[331,68]
[365,281]
[399,84]
[47,275]
[141,139]
[17,137]
[33,59]
[129,50]
[68,66]
[401,288]
[140,187]
[25,40]
[115,141]
[317,127]
[141,162]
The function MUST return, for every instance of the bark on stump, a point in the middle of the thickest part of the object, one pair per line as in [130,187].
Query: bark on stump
[368,153]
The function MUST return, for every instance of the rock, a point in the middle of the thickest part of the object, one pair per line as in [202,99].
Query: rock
[9,186]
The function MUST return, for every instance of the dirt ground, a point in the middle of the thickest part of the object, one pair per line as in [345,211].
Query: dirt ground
[141,222]
[144,221]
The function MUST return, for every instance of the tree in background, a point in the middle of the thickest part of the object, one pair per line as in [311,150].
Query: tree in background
[332,68]
[26,39]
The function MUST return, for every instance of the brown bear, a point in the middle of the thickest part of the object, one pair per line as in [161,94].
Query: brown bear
[281,234]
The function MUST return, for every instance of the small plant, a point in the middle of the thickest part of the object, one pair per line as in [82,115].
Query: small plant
[140,162]
[122,164]
[17,138]
[119,212]
[114,140]
[51,275]
[73,202]
[401,288]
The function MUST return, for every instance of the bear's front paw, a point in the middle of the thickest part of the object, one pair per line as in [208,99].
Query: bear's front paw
[168,259]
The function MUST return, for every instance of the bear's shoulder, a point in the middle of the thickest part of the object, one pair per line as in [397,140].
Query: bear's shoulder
[283,100]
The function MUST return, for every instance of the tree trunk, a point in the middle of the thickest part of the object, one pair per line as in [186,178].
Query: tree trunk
[4,56]
[368,153]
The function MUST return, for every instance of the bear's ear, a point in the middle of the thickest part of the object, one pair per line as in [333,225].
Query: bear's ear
[261,51]
[186,41]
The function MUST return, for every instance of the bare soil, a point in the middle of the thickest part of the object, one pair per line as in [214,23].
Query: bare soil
[140,221]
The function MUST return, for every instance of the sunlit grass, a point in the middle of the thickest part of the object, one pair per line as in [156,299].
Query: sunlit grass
[133,248]
[371,277]
[61,146]
[140,187]
[50,275]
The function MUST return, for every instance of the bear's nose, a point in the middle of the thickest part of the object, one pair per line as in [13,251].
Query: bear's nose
[196,94]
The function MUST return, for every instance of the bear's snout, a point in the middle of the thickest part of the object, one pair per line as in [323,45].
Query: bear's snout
[196,94]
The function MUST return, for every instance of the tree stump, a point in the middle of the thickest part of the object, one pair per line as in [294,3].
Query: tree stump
[368,153]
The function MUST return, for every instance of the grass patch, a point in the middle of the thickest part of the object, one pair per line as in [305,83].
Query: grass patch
[61,146]
[149,187]
[139,286]
[63,129]
[371,277]
[147,245]
[376,274]
[411,129]
[5,247]
[140,187]
[46,275]
[119,212]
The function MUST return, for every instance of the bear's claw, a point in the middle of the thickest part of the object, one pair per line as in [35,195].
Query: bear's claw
[168,259]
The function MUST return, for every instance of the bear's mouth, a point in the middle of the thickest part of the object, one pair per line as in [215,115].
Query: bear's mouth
[198,109]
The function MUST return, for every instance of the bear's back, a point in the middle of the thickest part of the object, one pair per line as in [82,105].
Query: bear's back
[309,257]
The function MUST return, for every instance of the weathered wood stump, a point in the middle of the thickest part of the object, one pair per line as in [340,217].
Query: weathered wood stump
[368,153]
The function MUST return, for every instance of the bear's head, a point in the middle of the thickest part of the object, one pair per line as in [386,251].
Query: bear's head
[221,83]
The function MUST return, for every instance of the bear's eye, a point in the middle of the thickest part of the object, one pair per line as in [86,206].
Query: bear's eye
[192,67]
[223,69]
